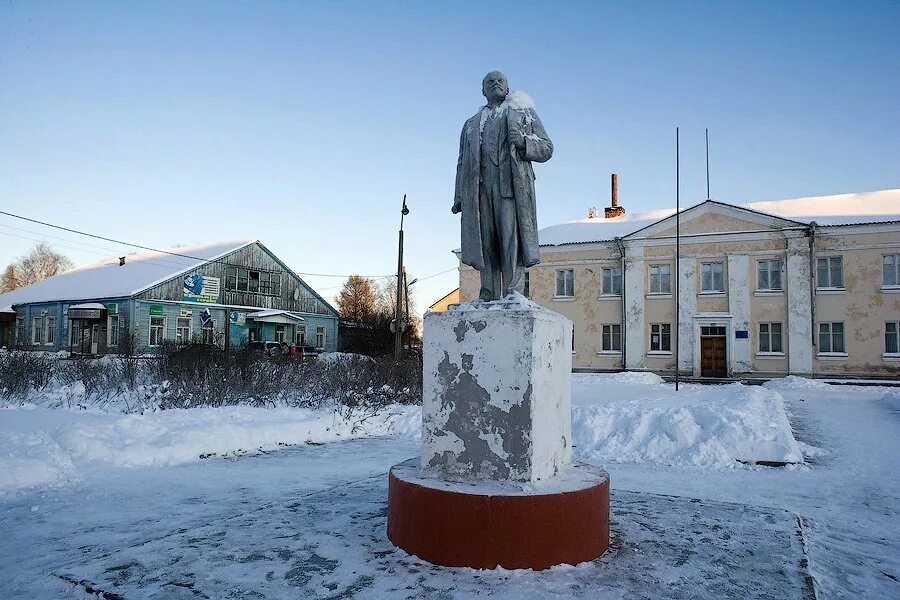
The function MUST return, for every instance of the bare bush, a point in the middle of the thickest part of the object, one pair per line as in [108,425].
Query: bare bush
[22,372]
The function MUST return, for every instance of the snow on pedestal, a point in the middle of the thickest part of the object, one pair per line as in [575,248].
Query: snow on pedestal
[497,391]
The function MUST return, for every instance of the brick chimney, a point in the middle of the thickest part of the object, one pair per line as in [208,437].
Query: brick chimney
[614,210]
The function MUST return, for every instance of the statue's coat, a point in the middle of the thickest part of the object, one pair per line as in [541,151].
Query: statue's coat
[517,181]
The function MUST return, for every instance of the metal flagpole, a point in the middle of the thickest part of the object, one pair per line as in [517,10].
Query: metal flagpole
[677,256]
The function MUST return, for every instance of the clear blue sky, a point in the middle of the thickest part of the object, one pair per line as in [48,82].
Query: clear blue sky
[303,123]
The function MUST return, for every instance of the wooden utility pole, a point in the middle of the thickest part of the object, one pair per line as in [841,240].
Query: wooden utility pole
[398,324]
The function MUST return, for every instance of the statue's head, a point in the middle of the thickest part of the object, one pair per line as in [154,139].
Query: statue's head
[495,87]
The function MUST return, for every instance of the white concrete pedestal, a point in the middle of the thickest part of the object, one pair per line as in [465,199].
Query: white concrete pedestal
[497,392]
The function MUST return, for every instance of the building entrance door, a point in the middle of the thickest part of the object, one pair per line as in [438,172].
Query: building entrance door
[86,340]
[713,353]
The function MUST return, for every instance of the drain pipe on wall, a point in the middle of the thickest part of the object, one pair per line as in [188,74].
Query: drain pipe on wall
[812,281]
[621,246]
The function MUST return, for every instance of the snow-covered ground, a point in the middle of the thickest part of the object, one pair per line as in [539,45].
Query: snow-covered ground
[126,505]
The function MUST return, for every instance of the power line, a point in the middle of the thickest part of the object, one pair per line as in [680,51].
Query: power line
[169,252]
[436,274]
[158,262]
[24,237]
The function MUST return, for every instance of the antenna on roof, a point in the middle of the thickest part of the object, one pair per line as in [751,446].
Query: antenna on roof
[707,164]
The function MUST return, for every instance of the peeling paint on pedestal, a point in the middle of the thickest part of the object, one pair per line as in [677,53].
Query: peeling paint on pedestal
[497,394]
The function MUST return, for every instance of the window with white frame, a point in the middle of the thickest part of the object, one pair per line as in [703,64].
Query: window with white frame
[661,337]
[157,330]
[183,331]
[831,337]
[830,272]
[770,337]
[565,283]
[660,279]
[279,333]
[20,331]
[890,270]
[768,274]
[112,331]
[892,338]
[50,331]
[712,277]
[611,281]
[36,327]
[611,337]
[208,332]
[301,335]
[320,336]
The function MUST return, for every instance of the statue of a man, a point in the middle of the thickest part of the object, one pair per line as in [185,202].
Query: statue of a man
[495,187]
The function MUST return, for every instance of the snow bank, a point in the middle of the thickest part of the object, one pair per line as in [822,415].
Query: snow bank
[617,417]
[344,358]
[891,400]
[625,377]
[616,420]
[793,382]
[43,447]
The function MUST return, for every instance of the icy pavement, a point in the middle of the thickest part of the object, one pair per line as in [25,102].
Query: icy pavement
[308,522]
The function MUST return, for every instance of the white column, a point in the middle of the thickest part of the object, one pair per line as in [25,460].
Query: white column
[635,335]
[739,307]
[799,324]
[687,307]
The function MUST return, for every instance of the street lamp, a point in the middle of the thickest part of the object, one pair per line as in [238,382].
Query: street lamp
[398,329]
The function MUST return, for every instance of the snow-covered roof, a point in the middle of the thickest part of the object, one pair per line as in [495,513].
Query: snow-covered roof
[272,315]
[841,209]
[599,229]
[106,279]
[88,306]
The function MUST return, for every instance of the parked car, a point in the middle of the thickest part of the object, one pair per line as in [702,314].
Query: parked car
[308,351]
[270,348]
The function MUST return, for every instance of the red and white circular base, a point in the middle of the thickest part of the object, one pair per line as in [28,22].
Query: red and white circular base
[485,525]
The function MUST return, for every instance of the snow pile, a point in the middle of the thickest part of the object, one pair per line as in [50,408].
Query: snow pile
[31,460]
[514,301]
[583,380]
[179,436]
[703,426]
[793,382]
[344,358]
[891,400]
[41,447]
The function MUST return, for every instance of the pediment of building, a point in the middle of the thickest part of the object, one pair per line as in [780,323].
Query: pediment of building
[711,218]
